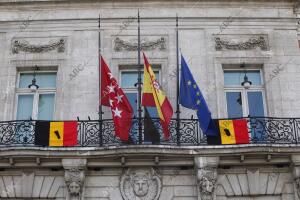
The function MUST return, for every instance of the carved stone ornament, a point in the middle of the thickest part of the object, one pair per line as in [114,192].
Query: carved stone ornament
[207,178]
[121,45]
[74,179]
[252,43]
[140,184]
[18,46]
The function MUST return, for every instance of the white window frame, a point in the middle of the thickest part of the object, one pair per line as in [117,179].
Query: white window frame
[244,92]
[36,94]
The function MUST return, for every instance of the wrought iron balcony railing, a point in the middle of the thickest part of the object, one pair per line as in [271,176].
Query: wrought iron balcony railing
[261,131]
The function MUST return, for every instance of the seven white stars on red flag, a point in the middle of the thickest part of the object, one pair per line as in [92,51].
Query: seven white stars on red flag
[113,96]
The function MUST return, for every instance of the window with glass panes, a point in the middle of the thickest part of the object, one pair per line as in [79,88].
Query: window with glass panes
[40,103]
[243,102]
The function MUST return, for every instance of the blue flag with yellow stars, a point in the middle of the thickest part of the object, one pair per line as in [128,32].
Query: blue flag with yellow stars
[191,97]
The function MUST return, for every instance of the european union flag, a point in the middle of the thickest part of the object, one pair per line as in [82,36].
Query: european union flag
[191,97]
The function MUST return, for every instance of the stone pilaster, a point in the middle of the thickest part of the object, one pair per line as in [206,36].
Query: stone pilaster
[74,177]
[206,170]
[296,174]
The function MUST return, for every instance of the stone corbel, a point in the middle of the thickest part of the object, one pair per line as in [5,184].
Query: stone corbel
[206,170]
[74,177]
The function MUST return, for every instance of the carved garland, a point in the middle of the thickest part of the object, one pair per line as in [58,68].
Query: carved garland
[26,47]
[252,43]
[121,45]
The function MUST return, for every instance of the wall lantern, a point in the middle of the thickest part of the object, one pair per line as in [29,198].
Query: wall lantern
[246,83]
[33,86]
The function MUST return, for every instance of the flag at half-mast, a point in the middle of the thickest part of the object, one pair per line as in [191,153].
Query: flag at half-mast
[154,96]
[113,96]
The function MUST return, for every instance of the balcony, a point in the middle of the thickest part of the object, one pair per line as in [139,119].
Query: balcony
[261,131]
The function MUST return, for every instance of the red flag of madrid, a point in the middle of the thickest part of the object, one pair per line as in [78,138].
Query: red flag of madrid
[113,96]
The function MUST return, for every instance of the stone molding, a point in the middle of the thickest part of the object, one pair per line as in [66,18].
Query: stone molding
[206,169]
[74,177]
[89,152]
[25,46]
[140,184]
[252,43]
[122,45]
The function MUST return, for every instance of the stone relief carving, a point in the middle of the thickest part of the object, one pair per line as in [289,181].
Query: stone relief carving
[252,43]
[140,184]
[18,46]
[121,45]
[207,178]
[74,179]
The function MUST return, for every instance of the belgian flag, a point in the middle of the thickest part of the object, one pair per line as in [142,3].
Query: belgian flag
[230,132]
[56,133]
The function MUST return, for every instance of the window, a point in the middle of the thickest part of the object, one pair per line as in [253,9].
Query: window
[37,104]
[243,102]
[128,80]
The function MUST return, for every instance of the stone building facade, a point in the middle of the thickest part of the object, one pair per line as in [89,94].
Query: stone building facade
[214,36]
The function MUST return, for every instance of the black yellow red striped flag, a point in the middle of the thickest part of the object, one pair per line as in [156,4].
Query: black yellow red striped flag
[230,132]
[56,133]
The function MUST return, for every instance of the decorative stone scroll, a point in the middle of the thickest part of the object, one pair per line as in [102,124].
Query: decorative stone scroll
[206,169]
[24,46]
[121,45]
[140,184]
[252,43]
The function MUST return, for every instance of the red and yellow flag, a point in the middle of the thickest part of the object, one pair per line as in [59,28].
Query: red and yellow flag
[155,97]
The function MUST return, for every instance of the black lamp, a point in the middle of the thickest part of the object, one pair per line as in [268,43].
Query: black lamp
[33,86]
[246,83]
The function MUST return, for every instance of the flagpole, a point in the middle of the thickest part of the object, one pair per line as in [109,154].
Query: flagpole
[100,96]
[139,82]
[177,88]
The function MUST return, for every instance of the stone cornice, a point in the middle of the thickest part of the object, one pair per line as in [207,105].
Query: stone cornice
[204,2]
[21,1]
[148,155]
[164,150]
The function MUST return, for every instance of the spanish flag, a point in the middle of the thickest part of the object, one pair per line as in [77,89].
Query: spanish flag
[56,133]
[155,97]
[230,132]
